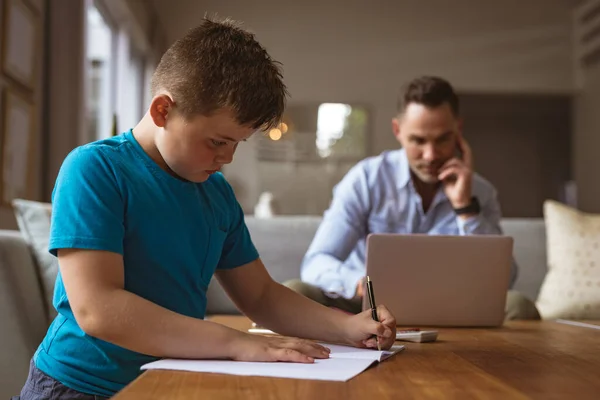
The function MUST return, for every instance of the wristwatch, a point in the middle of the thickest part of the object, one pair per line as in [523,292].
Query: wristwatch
[472,208]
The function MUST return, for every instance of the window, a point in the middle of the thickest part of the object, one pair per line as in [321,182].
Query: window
[340,131]
[301,160]
[133,90]
[116,74]
[99,76]
[317,132]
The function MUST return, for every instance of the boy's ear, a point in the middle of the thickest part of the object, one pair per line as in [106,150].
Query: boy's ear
[160,108]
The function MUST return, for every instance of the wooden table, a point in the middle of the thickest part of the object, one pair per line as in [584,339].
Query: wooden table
[539,360]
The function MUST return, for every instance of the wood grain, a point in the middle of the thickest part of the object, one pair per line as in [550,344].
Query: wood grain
[522,360]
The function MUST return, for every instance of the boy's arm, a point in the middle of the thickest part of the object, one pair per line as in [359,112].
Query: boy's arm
[94,281]
[245,279]
[284,311]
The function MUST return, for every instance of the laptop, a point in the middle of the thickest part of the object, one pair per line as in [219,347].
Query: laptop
[439,280]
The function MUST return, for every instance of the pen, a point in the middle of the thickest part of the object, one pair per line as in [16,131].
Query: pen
[371,295]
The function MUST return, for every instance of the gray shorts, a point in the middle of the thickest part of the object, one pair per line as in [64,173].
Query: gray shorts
[40,386]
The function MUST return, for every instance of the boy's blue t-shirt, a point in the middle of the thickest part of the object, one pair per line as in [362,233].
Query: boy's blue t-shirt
[110,195]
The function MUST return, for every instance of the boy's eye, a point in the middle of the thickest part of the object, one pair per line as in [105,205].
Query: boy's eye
[218,142]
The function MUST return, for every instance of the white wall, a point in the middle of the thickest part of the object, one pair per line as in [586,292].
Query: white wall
[66,105]
[587,142]
[354,50]
[586,134]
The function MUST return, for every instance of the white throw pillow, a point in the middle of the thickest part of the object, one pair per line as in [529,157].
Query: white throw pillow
[571,288]
[33,218]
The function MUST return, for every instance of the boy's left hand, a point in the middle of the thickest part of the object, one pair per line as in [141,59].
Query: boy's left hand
[360,328]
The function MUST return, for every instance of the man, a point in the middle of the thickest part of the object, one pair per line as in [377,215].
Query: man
[427,187]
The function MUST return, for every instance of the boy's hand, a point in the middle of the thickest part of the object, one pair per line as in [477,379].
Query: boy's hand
[247,347]
[360,328]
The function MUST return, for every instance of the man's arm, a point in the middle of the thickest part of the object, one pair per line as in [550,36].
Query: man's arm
[460,184]
[343,224]
[487,222]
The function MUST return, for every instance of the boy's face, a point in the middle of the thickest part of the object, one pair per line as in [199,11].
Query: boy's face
[196,148]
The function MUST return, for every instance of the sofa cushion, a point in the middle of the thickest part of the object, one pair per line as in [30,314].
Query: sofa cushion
[571,288]
[281,243]
[33,218]
[529,251]
[22,312]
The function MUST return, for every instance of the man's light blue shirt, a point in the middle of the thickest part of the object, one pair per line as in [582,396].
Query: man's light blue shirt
[377,196]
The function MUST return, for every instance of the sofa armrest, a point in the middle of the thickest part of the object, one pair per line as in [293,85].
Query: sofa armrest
[23,321]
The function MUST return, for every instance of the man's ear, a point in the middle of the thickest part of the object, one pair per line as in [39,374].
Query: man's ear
[396,126]
[160,107]
[460,124]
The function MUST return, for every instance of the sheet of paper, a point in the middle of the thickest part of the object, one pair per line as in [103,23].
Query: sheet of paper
[346,352]
[351,352]
[344,364]
[261,331]
[333,369]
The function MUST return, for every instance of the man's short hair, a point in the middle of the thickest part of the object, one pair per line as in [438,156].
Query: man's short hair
[219,65]
[430,91]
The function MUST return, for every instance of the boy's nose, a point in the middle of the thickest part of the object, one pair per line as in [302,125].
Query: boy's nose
[225,157]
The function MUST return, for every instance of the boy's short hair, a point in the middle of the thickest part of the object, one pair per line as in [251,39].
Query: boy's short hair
[430,91]
[219,65]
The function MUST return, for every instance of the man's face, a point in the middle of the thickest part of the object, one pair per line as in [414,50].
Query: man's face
[197,148]
[429,137]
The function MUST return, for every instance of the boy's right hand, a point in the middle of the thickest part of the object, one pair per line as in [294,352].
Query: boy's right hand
[247,347]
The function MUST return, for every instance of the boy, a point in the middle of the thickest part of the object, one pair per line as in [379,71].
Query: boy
[141,222]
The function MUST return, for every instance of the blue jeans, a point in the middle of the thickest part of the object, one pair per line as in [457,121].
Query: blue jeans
[40,386]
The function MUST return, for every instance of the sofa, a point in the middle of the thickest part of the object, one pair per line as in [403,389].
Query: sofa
[281,241]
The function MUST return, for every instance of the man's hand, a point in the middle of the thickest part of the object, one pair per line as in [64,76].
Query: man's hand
[457,176]
[360,287]
[360,328]
[247,347]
